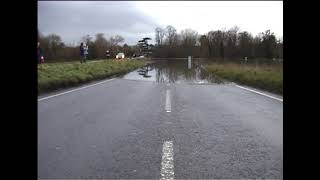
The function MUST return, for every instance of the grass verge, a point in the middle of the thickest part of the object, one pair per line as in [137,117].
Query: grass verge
[60,75]
[265,77]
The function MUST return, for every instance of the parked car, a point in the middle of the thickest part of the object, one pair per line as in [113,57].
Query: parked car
[120,56]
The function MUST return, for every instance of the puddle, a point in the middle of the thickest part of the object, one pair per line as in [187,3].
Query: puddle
[173,71]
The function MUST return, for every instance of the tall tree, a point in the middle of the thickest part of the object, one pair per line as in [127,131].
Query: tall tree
[54,46]
[114,44]
[245,44]
[221,54]
[86,39]
[171,34]
[230,39]
[189,37]
[116,40]
[127,50]
[99,46]
[204,46]
[269,44]
[215,38]
[157,36]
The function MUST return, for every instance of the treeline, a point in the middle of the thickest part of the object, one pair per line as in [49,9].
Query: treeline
[55,50]
[223,44]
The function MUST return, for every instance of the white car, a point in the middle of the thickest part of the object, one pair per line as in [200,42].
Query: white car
[120,56]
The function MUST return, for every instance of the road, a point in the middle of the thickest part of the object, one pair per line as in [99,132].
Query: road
[133,129]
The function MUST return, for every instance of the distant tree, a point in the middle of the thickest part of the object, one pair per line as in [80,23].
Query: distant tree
[157,36]
[171,34]
[245,44]
[188,40]
[189,37]
[204,46]
[86,39]
[55,45]
[99,46]
[269,44]
[231,40]
[127,50]
[280,48]
[257,50]
[215,38]
[162,35]
[144,47]
[114,44]
[116,40]
[221,49]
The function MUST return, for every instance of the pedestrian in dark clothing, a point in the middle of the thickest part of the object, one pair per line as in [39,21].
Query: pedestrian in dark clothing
[86,48]
[82,55]
[40,54]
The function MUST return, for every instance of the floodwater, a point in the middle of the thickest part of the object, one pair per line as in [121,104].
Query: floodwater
[173,71]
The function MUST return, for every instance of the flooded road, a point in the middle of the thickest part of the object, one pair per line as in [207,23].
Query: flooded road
[173,71]
[163,121]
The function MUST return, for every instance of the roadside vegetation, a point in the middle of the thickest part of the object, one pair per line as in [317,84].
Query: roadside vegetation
[262,68]
[54,76]
[267,77]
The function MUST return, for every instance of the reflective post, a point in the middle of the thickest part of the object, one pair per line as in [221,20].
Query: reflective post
[189,62]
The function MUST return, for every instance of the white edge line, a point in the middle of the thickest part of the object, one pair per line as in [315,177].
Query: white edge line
[259,93]
[48,97]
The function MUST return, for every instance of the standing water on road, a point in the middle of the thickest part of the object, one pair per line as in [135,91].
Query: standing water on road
[173,71]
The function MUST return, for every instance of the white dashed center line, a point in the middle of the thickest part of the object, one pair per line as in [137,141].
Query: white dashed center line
[167,167]
[168,101]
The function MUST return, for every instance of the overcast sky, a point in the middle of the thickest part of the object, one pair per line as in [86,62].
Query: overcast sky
[134,20]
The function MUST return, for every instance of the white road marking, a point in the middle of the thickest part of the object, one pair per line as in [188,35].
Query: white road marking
[167,166]
[48,97]
[168,101]
[259,93]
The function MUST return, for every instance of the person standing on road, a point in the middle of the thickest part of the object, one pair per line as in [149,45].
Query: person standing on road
[81,53]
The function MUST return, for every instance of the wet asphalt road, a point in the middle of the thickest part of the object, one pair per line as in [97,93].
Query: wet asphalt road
[116,130]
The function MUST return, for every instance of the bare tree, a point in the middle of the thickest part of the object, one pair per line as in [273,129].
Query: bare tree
[171,34]
[86,39]
[189,37]
[215,38]
[99,46]
[157,36]
[245,44]
[114,44]
[231,41]
[204,46]
[116,40]
[269,44]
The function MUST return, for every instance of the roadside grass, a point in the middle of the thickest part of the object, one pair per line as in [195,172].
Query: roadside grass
[54,76]
[265,77]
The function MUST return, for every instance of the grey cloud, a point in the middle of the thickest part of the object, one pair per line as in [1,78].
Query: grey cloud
[72,20]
